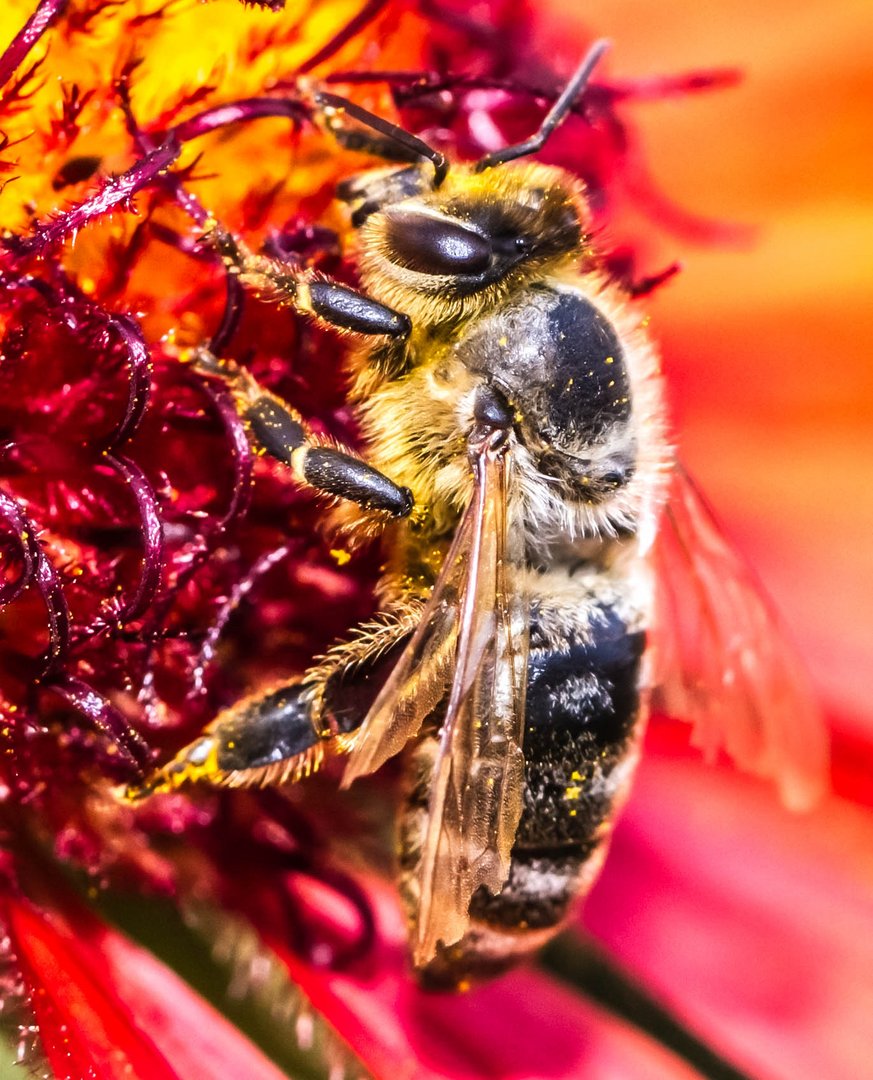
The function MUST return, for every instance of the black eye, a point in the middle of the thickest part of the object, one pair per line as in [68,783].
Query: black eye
[511,246]
[435,245]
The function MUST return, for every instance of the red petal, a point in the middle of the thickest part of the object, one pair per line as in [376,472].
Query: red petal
[192,1035]
[753,924]
[108,1009]
[521,1026]
[85,1028]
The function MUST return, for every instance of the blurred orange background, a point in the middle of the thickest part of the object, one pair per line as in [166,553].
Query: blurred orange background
[768,346]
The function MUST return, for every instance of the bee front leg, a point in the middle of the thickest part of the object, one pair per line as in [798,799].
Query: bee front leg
[287,732]
[337,305]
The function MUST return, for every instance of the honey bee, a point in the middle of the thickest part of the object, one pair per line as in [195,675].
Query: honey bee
[547,557]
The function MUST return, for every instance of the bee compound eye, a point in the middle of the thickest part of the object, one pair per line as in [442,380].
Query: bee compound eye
[436,245]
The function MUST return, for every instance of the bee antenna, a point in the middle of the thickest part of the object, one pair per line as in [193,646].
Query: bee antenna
[334,103]
[556,115]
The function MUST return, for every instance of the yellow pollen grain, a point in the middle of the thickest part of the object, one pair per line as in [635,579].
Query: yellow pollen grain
[342,557]
[609,360]
[572,793]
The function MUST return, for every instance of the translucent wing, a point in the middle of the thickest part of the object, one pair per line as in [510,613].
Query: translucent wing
[478,776]
[421,677]
[722,659]
[470,649]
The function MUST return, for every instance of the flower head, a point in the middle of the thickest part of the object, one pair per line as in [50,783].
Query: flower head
[153,571]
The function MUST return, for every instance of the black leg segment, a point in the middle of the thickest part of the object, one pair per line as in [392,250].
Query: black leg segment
[348,477]
[349,309]
[337,305]
[275,428]
[281,432]
[266,738]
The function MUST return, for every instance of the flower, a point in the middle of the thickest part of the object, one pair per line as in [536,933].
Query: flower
[147,582]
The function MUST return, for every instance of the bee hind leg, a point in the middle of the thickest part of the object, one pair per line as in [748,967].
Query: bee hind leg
[287,732]
[267,738]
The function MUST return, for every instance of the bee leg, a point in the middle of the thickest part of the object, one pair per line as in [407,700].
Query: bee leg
[281,432]
[375,135]
[287,732]
[339,306]
[268,738]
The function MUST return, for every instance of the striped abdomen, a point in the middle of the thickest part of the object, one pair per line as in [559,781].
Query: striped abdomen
[583,721]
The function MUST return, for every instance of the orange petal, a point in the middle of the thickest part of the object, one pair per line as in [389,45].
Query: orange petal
[768,349]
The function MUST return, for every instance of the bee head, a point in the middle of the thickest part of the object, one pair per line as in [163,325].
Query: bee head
[445,254]
[442,244]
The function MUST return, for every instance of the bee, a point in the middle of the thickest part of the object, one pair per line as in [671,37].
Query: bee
[547,557]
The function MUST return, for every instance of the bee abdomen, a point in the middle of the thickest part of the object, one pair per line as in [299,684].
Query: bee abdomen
[583,722]
[540,888]
[534,905]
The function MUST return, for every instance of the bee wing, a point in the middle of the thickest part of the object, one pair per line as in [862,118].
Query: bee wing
[471,650]
[420,678]
[722,659]
[478,775]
